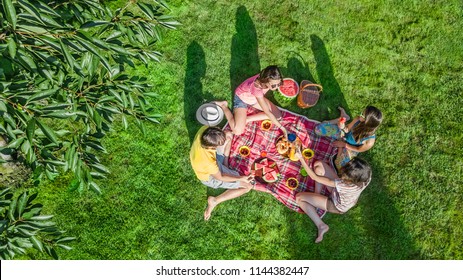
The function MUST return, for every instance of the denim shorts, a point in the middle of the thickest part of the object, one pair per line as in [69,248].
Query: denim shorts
[238,103]
[217,184]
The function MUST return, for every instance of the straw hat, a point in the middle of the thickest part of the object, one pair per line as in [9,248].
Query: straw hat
[209,114]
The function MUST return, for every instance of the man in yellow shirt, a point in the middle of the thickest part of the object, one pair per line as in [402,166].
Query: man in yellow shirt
[209,159]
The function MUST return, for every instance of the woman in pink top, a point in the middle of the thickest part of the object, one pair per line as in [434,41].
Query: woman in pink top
[251,93]
[345,189]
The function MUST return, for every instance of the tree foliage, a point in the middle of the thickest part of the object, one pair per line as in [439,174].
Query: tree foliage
[63,79]
[22,227]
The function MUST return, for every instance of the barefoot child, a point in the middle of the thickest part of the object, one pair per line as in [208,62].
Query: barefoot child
[209,159]
[251,93]
[345,189]
[358,136]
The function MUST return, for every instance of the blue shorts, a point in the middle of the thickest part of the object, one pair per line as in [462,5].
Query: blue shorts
[238,103]
[217,184]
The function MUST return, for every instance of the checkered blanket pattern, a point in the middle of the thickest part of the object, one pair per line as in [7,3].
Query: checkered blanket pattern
[259,140]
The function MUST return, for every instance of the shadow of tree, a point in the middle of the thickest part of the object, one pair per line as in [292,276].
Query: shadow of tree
[193,95]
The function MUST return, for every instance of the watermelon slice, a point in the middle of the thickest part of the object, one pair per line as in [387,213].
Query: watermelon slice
[264,162]
[270,177]
[259,166]
[273,173]
[267,170]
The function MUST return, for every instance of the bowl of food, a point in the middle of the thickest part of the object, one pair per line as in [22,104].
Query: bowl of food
[292,183]
[244,151]
[307,153]
[266,125]
[289,88]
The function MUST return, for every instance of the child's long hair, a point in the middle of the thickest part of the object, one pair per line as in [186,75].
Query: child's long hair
[212,137]
[373,118]
[357,171]
[271,72]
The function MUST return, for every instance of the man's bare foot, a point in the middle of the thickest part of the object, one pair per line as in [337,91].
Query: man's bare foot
[343,113]
[211,204]
[321,231]
[221,103]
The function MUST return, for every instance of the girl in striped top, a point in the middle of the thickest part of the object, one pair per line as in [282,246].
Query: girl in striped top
[345,189]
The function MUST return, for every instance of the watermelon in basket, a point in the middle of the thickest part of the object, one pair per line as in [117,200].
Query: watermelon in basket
[289,88]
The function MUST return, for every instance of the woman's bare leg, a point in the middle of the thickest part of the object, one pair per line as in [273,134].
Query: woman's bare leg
[262,116]
[308,203]
[236,120]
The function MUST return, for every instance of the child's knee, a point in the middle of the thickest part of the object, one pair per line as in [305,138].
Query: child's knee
[238,131]
[318,168]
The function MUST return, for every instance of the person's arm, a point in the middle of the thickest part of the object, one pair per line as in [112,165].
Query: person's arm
[263,104]
[359,149]
[351,124]
[320,179]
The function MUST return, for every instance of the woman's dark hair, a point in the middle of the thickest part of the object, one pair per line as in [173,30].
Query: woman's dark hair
[212,137]
[373,118]
[356,171]
[271,72]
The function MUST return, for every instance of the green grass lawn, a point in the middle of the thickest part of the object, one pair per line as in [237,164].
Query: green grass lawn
[404,57]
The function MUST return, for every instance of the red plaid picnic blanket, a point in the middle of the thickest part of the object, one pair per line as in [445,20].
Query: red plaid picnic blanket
[259,140]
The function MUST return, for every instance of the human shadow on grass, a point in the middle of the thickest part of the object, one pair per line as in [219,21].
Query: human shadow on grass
[378,234]
[244,61]
[193,95]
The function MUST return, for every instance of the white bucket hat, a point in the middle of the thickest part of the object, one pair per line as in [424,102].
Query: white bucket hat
[209,114]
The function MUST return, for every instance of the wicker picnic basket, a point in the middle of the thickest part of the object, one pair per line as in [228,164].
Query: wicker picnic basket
[309,93]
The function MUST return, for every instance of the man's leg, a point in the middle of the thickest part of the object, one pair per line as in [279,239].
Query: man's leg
[212,201]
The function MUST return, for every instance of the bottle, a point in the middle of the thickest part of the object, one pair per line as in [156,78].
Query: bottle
[292,146]
[342,126]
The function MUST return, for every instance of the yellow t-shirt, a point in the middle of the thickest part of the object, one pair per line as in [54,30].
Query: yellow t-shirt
[202,160]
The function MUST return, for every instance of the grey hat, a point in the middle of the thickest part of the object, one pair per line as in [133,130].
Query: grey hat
[209,114]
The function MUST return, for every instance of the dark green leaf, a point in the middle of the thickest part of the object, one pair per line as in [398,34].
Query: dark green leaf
[65,247]
[60,114]
[12,209]
[10,12]
[65,239]
[30,129]
[94,23]
[15,143]
[41,218]
[11,47]
[50,134]
[100,168]
[22,201]
[42,95]
[37,243]
[95,187]
[67,55]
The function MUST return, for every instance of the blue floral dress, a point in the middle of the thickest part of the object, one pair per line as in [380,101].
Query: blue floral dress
[332,131]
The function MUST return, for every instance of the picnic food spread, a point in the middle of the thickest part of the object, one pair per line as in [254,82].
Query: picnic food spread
[288,148]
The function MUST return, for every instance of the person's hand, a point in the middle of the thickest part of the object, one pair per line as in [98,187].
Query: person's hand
[285,132]
[247,178]
[339,144]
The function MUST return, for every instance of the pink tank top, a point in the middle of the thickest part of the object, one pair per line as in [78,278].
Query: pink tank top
[248,92]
